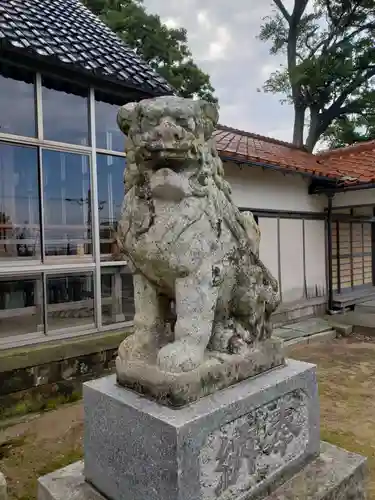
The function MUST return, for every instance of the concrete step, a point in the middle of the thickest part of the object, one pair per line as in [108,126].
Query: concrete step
[359,320]
[311,339]
[342,328]
[368,306]
[336,473]
[302,329]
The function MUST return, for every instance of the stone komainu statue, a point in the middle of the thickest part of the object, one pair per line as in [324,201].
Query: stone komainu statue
[186,242]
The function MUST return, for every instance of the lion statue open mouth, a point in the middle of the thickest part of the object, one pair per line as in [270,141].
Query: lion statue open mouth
[187,244]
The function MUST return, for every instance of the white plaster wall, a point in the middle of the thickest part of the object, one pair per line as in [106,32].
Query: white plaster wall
[254,187]
[291,259]
[353,198]
[268,190]
[315,258]
[294,271]
[268,249]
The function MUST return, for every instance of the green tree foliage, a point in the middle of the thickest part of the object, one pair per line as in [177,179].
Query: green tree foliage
[330,67]
[352,128]
[164,49]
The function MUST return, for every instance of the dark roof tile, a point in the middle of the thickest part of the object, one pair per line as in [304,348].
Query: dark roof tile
[65,31]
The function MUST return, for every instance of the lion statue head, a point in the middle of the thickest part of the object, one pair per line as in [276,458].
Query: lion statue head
[171,154]
[167,133]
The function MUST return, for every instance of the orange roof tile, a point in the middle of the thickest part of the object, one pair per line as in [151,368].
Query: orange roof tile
[348,165]
[357,161]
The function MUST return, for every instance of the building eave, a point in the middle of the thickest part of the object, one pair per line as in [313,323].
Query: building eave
[75,74]
[278,168]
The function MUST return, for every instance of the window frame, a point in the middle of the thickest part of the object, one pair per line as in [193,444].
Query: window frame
[35,92]
[59,264]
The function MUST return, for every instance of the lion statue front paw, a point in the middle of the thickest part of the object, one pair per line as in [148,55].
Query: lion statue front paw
[180,356]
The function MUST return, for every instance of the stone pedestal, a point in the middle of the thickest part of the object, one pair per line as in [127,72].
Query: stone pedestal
[238,441]
[334,475]
[257,438]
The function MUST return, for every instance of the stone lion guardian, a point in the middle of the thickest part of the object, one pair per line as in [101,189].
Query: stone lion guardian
[192,252]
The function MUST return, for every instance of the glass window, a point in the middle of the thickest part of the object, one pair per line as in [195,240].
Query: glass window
[117,295]
[110,197]
[67,204]
[108,135]
[65,114]
[70,301]
[17,102]
[19,202]
[21,306]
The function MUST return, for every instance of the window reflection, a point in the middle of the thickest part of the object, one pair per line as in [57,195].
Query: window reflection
[65,114]
[70,301]
[21,305]
[17,102]
[108,135]
[117,295]
[19,202]
[67,204]
[110,195]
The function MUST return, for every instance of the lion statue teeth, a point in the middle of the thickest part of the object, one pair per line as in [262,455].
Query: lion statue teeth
[187,243]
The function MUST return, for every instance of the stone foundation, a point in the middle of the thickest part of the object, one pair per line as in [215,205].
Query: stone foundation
[30,376]
[256,440]
[334,475]
[240,440]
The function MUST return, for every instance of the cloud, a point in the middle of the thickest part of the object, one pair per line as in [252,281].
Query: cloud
[172,22]
[219,47]
[268,68]
[203,20]
[223,40]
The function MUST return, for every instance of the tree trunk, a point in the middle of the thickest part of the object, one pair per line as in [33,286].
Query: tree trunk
[299,122]
[314,132]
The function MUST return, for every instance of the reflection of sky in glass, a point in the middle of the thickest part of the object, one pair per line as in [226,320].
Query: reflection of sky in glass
[65,117]
[110,195]
[110,187]
[19,201]
[108,135]
[67,203]
[17,107]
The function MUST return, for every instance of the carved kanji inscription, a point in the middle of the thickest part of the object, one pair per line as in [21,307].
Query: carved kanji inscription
[240,455]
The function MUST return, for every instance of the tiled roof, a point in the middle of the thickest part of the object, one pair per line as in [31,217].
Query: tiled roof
[67,33]
[357,161]
[348,165]
[243,146]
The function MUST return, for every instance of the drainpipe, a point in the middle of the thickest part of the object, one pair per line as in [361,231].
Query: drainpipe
[329,252]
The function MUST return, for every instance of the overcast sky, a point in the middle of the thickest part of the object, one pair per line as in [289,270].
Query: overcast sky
[222,38]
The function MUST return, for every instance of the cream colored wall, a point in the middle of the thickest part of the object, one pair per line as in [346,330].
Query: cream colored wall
[353,198]
[315,255]
[293,249]
[269,244]
[292,275]
[267,189]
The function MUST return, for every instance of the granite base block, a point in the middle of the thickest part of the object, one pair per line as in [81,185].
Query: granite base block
[334,475]
[232,445]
